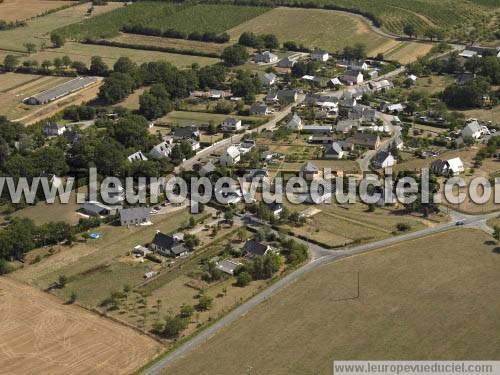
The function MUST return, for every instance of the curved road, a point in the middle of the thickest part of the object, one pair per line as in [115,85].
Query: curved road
[470,221]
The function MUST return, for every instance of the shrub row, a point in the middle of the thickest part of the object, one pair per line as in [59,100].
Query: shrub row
[208,37]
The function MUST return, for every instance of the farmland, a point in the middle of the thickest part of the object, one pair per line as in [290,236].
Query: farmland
[38,29]
[437,306]
[181,118]
[162,16]
[12,10]
[321,28]
[43,336]
[85,52]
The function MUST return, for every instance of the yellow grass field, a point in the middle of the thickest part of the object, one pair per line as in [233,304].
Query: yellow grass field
[416,302]
[12,10]
[407,52]
[156,41]
[85,52]
[40,335]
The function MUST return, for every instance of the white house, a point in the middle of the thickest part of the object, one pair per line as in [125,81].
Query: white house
[53,129]
[352,78]
[334,151]
[259,109]
[473,130]
[161,150]
[383,159]
[320,55]
[137,156]
[287,62]
[265,57]
[230,157]
[268,79]
[456,166]
[230,124]
[295,123]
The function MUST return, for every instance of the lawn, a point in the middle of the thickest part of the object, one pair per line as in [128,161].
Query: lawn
[430,298]
[492,115]
[84,53]
[12,10]
[318,28]
[39,28]
[162,16]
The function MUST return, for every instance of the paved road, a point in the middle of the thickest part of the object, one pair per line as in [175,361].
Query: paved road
[330,256]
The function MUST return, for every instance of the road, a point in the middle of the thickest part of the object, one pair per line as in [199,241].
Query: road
[222,145]
[470,221]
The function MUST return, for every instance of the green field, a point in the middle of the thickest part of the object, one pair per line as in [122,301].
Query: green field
[416,302]
[84,53]
[38,29]
[163,16]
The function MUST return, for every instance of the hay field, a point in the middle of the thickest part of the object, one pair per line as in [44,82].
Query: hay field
[181,44]
[12,10]
[40,335]
[85,52]
[314,28]
[431,298]
[38,29]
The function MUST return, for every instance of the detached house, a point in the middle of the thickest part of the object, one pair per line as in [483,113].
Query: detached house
[167,245]
[287,62]
[265,57]
[230,157]
[186,132]
[259,109]
[53,129]
[254,248]
[383,159]
[134,216]
[137,156]
[268,79]
[309,172]
[295,123]
[230,124]
[161,150]
[352,78]
[287,96]
[473,130]
[320,55]
[334,151]
[371,141]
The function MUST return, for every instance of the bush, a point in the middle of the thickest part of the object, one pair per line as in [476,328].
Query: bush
[204,303]
[243,279]
[403,227]
[153,258]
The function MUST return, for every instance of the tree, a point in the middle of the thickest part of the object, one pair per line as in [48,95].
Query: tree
[30,47]
[10,63]
[234,55]
[243,279]
[98,66]
[61,281]
[204,303]
[186,311]
[66,61]
[174,326]
[80,67]
[191,241]
[409,29]
[57,40]
[496,232]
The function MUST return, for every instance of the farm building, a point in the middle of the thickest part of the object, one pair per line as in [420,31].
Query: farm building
[60,91]
[97,209]
[228,266]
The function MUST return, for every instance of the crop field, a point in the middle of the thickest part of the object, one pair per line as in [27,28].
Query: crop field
[443,292]
[319,28]
[12,10]
[181,44]
[38,29]
[40,335]
[85,52]
[407,52]
[162,16]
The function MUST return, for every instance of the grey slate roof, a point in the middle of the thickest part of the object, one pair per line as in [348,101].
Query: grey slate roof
[168,242]
[134,213]
[254,247]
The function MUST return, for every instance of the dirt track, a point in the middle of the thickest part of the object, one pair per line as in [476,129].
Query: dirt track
[42,336]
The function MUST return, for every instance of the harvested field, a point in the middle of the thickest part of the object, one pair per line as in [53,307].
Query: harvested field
[84,53]
[407,52]
[319,28]
[38,29]
[181,44]
[40,335]
[12,10]
[416,302]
